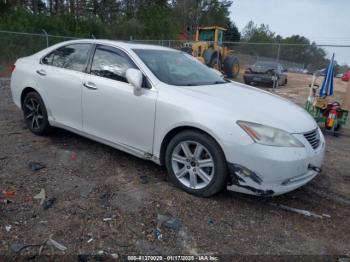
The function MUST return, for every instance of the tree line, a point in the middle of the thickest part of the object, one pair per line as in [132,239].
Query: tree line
[121,19]
[150,19]
[296,48]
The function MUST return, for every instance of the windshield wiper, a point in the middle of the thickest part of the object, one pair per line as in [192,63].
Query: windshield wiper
[204,84]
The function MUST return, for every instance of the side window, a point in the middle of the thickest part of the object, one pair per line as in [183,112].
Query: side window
[72,57]
[111,63]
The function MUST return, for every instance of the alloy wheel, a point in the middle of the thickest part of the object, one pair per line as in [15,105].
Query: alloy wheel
[33,113]
[192,164]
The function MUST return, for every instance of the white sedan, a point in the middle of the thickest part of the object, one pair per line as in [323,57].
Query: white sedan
[163,105]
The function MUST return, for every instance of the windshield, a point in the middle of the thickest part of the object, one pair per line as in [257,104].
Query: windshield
[178,68]
[206,35]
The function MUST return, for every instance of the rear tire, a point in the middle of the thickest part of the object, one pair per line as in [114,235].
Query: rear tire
[196,163]
[35,114]
[231,66]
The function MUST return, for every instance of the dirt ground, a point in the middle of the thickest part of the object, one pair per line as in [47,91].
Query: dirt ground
[108,203]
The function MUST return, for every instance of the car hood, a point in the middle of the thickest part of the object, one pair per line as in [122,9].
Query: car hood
[247,103]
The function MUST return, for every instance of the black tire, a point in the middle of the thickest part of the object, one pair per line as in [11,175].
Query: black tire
[207,56]
[215,62]
[246,82]
[211,59]
[219,172]
[34,107]
[231,64]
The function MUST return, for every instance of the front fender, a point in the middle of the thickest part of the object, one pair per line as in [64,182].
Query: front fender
[161,137]
[175,110]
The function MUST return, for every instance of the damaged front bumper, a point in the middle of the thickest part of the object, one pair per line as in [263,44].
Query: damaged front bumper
[245,181]
[271,171]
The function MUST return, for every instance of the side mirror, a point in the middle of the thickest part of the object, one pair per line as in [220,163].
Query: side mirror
[135,77]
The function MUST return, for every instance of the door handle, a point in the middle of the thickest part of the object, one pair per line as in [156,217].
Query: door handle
[90,85]
[41,72]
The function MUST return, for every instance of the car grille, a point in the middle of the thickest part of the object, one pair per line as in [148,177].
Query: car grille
[313,138]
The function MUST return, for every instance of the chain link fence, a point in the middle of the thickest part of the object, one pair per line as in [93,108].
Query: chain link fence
[295,58]
[14,45]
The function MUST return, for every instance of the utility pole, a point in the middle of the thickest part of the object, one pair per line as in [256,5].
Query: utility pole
[275,81]
[46,36]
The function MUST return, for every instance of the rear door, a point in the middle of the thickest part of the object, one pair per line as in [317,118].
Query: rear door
[59,78]
[111,110]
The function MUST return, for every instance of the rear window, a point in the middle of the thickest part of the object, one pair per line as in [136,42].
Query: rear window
[72,57]
[266,64]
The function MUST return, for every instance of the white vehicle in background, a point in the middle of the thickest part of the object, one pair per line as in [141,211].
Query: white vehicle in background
[163,105]
[340,75]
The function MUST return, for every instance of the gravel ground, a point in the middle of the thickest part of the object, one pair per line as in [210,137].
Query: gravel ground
[108,202]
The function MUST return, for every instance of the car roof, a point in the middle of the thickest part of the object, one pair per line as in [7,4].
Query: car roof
[121,44]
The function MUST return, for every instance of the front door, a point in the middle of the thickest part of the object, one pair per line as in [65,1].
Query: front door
[110,109]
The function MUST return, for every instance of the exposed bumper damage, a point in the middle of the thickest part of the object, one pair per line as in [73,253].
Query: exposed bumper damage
[262,170]
[243,180]
[246,179]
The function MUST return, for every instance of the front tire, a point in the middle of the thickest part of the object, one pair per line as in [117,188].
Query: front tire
[207,56]
[35,114]
[215,63]
[196,163]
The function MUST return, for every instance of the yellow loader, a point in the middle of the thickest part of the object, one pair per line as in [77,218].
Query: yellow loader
[208,49]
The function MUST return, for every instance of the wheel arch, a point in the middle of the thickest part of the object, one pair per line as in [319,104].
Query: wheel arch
[25,91]
[176,130]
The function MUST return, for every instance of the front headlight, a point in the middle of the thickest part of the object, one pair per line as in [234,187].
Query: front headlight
[270,136]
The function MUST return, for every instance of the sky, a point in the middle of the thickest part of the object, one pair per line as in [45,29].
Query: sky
[322,21]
